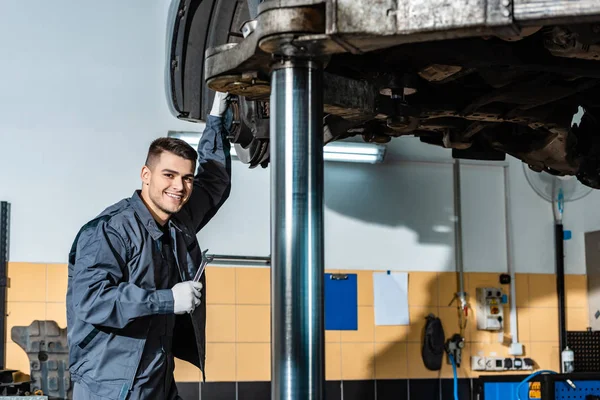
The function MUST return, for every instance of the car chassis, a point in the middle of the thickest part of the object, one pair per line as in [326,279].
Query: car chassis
[293,94]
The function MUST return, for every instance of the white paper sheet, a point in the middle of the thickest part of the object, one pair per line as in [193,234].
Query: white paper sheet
[391,298]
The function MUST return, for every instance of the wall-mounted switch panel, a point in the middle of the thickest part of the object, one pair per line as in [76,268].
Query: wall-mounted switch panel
[490,310]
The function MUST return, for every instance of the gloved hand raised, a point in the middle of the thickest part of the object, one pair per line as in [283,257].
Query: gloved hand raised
[219,104]
[186,296]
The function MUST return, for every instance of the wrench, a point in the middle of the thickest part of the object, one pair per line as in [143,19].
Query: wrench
[205,260]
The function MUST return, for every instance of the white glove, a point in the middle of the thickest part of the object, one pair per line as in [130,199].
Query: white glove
[186,296]
[219,104]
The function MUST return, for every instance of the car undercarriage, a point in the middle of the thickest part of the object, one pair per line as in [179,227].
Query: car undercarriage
[483,79]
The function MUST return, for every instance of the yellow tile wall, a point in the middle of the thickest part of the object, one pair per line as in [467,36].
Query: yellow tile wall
[239,332]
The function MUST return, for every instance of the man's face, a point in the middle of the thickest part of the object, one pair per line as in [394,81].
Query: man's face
[167,184]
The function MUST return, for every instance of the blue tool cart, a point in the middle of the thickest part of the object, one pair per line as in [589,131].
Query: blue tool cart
[552,386]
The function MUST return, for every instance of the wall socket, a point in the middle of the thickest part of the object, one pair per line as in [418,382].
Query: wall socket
[479,363]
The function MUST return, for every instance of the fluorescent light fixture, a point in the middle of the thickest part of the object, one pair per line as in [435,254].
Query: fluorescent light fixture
[369,153]
[354,152]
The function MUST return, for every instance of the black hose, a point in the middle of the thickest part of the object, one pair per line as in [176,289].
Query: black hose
[560,285]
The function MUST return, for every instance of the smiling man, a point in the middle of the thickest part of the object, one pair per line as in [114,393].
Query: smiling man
[132,306]
[168,177]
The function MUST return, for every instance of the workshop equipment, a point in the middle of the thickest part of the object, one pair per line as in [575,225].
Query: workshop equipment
[576,386]
[567,361]
[499,364]
[454,347]
[14,384]
[249,261]
[46,346]
[490,310]
[586,350]
[434,347]
[516,348]
[461,296]
[297,271]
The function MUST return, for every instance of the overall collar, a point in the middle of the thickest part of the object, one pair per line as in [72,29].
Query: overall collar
[145,216]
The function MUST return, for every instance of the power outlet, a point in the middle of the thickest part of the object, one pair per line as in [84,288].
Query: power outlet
[522,364]
[477,363]
[499,364]
[494,363]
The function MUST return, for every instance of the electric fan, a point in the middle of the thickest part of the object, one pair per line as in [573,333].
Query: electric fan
[558,190]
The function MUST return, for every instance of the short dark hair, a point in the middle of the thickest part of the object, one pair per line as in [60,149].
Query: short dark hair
[172,145]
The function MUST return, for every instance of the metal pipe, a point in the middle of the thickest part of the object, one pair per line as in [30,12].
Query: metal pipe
[560,285]
[297,320]
[514,332]
[4,256]
[222,259]
[458,254]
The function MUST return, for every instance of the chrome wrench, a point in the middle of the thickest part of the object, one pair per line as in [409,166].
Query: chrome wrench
[205,260]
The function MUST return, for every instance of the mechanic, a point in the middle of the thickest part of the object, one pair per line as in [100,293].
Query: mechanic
[132,304]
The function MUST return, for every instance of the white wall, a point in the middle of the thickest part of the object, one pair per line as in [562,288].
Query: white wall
[82,96]
[401,216]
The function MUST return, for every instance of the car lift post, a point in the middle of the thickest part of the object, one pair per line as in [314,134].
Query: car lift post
[297,319]
[4,250]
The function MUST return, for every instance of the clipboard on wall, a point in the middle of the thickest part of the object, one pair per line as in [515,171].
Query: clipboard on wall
[341,302]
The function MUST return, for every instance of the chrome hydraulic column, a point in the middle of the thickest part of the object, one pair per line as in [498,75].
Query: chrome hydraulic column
[297,321]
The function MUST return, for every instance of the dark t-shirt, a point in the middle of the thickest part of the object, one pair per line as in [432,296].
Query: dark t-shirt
[154,379]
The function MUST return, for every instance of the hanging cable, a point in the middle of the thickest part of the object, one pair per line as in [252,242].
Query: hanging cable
[524,381]
[455,375]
